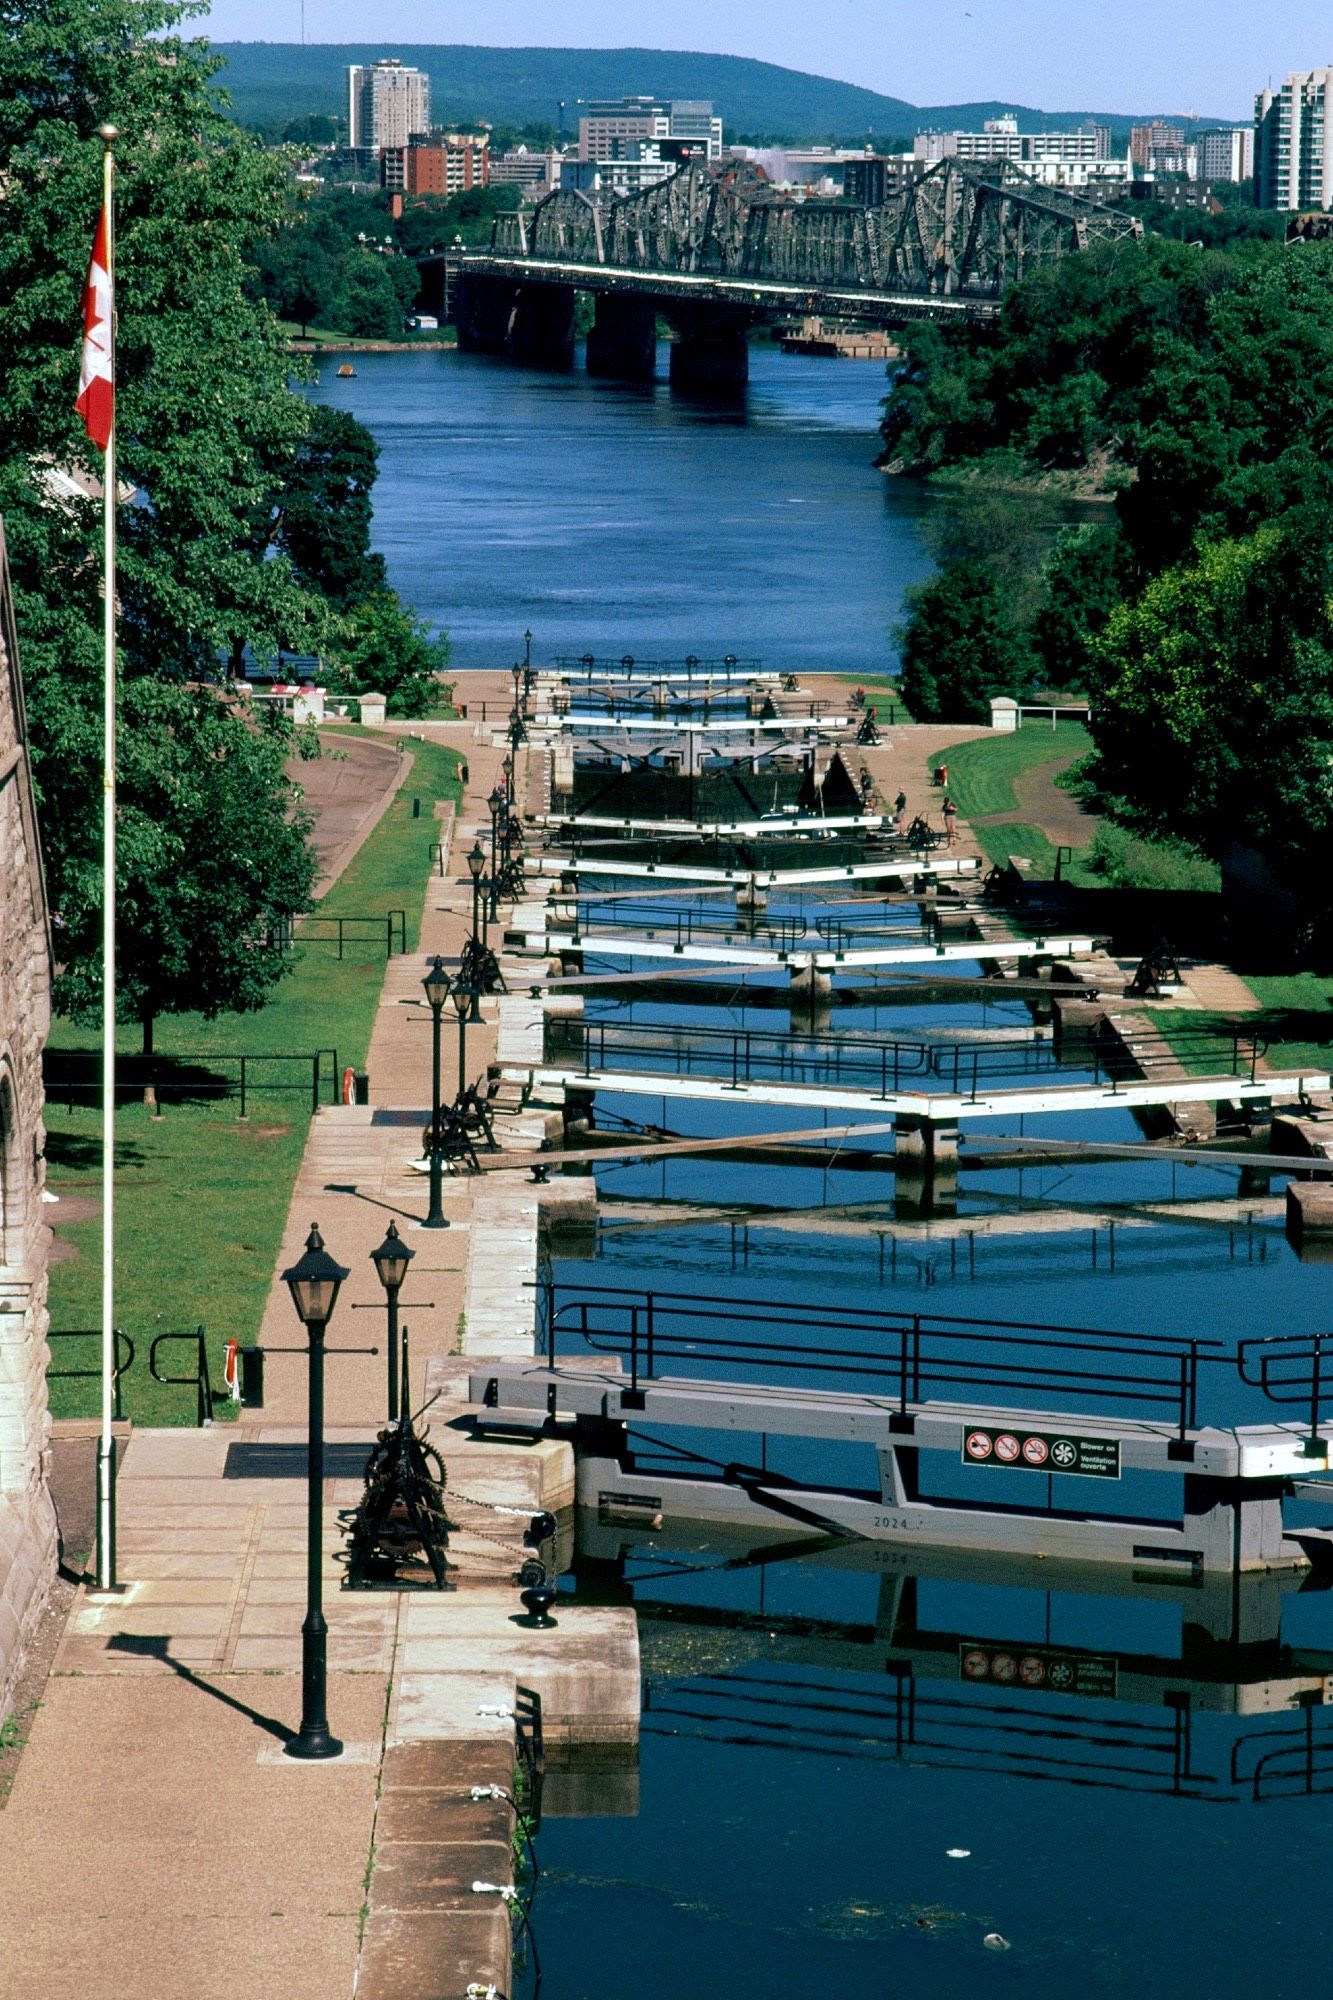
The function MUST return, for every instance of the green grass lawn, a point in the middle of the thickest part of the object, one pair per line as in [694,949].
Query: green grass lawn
[202,1197]
[981,774]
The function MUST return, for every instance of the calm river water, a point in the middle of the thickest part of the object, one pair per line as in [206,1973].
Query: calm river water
[866,1773]
[618,519]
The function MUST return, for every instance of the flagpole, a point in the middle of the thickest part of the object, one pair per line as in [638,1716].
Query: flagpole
[106,1449]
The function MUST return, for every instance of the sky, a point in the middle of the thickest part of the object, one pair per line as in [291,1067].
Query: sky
[1208,56]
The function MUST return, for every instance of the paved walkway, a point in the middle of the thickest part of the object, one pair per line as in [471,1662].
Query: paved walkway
[157,1845]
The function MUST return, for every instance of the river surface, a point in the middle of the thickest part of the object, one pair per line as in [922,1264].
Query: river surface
[867,1771]
[613,518]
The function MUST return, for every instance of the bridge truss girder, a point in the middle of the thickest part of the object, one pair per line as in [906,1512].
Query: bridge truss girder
[961,231]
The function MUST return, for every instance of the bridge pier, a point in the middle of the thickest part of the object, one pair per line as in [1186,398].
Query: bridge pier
[926,1173]
[710,355]
[485,311]
[622,342]
[541,331]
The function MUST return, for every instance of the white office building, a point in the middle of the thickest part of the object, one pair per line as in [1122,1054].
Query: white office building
[387,104]
[611,128]
[1000,139]
[1293,142]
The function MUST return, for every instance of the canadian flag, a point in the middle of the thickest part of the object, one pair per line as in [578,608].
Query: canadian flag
[97,383]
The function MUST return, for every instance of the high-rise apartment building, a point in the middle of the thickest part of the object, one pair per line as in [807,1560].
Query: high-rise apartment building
[1226,154]
[610,128]
[1159,135]
[386,103]
[1293,142]
[437,163]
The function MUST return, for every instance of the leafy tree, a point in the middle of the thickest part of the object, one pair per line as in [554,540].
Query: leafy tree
[961,646]
[323,519]
[373,294]
[1214,720]
[206,413]
[1084,582]
[211,856]
[385,650]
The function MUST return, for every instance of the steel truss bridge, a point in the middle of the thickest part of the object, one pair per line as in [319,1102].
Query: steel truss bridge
[947,247]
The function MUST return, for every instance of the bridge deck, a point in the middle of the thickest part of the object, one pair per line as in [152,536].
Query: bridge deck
[611,944]
[765,295]
[781,826]
[764,878]
[1251,1451]
[944,1107]
[736,725]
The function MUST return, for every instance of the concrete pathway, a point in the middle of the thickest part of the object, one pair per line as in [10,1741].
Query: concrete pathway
[157,1844]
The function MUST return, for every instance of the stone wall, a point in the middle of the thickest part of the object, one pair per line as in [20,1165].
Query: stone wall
[27,1518]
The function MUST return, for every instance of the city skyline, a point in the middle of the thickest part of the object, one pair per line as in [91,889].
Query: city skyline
[1211,60]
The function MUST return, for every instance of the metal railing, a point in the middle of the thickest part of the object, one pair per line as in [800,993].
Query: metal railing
[75,1075]
[915,1356]
[124,1361]
[391,926]
[1294,1369]
[796,931]
[735,1056]
[199,1380]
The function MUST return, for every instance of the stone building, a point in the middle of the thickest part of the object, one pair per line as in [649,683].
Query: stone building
[27,1517]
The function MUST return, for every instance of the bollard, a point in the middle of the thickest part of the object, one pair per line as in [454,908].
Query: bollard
[252,1377]
[416,808]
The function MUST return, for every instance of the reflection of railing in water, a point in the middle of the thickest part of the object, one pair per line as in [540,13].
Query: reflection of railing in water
[1285,1763]
[942,1730]
[761,1055]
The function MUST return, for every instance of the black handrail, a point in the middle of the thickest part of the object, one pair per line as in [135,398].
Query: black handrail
[918,1355]
[391,925]
[963,1068]
[199,1380]
[1291,1368]
[72,1074]
[123,1344]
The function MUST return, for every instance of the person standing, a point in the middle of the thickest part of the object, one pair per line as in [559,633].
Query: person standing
[900,811]
[950,822]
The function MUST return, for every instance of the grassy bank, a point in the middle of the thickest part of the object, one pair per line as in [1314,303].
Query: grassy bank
[982,779]
[203,1196]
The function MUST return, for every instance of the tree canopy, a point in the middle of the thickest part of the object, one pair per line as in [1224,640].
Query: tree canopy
[248,521]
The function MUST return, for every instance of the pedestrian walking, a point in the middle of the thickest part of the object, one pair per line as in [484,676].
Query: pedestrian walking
[950,822]
[900,811]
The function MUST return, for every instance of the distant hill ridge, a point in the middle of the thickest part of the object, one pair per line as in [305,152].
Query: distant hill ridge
[272,82]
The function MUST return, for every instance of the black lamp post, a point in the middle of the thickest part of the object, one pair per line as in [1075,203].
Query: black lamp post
[520,689]
[476,861]
[314,1281]
[391,1261]
[508,768]
[436,984]
[498,803]
[527,663]
[461,997]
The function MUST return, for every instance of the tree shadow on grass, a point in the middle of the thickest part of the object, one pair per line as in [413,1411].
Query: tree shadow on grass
[80,1155]
[155,1646]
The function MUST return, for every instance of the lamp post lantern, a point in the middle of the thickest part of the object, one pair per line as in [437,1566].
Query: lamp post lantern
[520,690]
[391,1261]
[436,985]
[314,1282]
[461,997]
[476,861]
[508,768]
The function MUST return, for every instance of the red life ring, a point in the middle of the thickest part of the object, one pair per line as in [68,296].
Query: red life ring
[349,1085]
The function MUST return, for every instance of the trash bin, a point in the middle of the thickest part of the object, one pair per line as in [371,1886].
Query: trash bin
[252,1377]
[416,808]
[362,1087]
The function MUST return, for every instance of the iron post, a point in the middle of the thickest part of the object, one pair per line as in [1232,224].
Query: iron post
[437,986]
[391,1260]
[314,1281]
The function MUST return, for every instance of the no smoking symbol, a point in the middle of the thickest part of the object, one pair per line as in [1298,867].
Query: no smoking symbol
[1064,1454]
